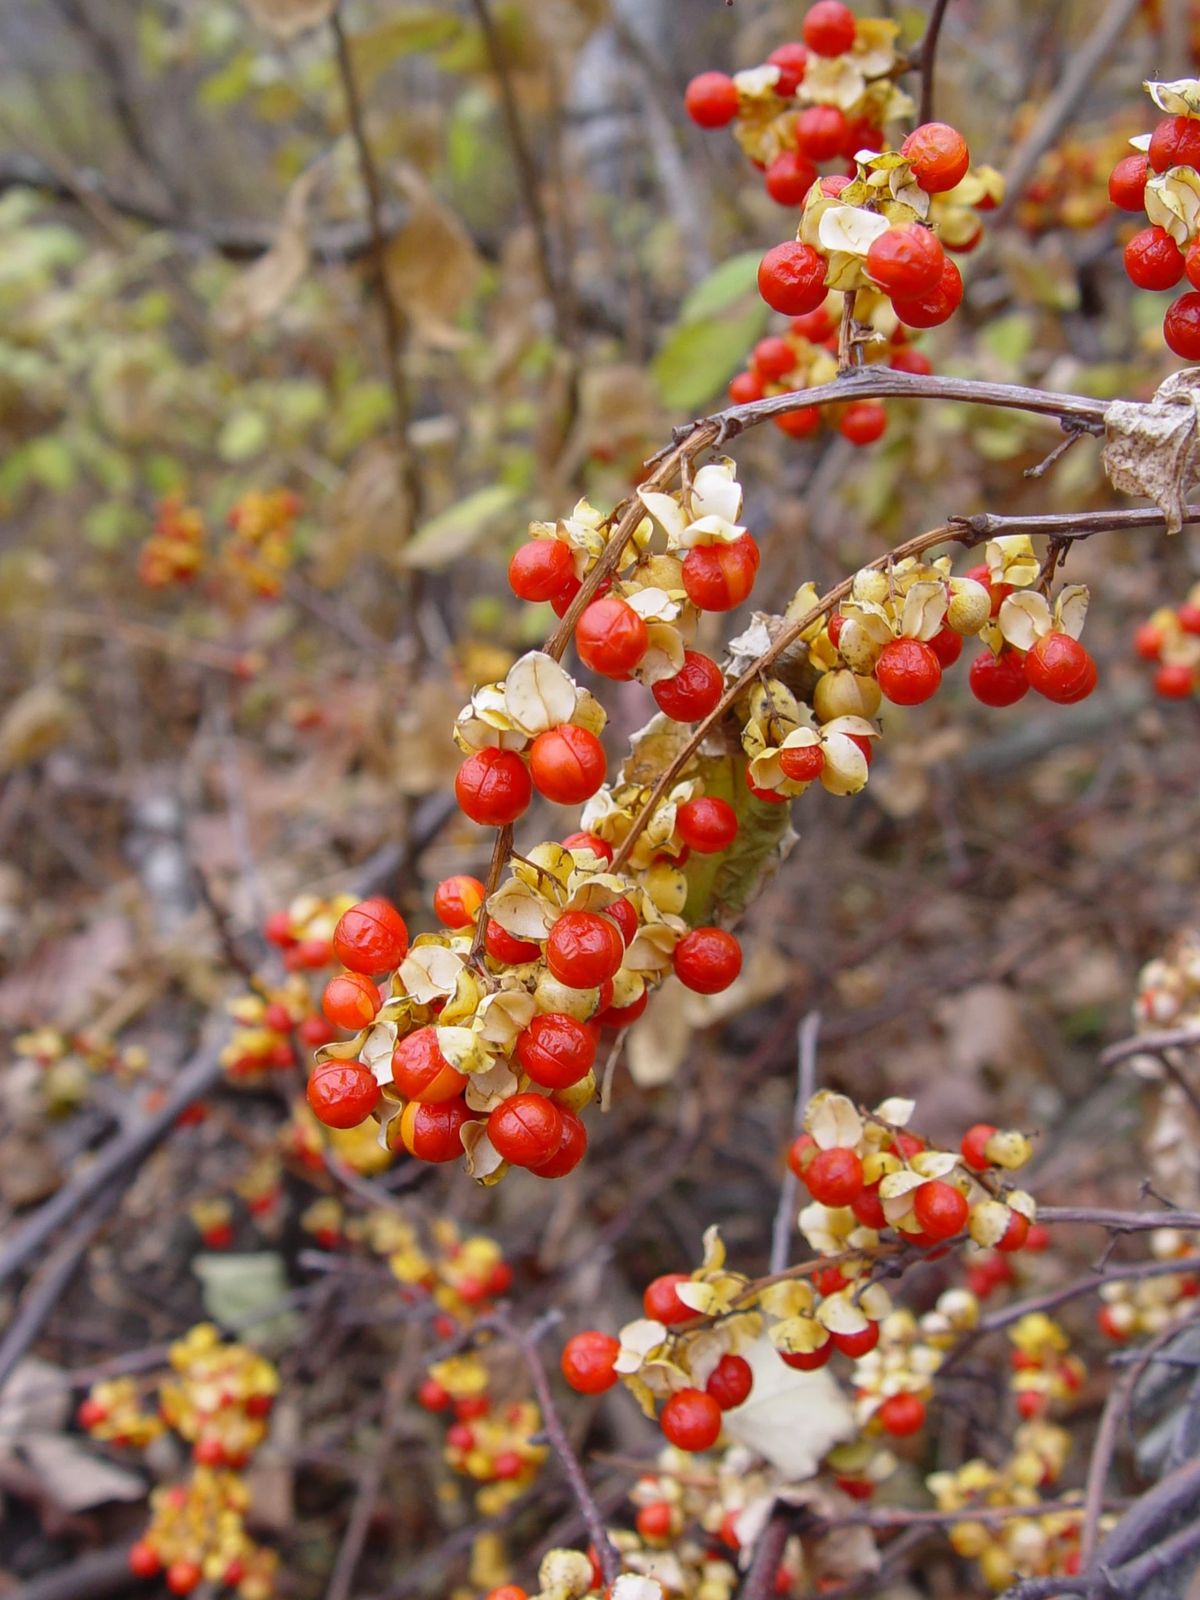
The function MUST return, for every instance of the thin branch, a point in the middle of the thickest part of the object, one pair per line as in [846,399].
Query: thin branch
[789,1189]
[760,1579]
[1120,1221]
[927,60]
[1150,1044]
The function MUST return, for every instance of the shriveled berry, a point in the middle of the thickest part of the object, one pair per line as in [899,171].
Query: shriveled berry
[584,948]
[1153,260]
[456,900]
[1060,668]
[587,1361]
[707,824]
[556,1051]
[1127,182]
[730,1381]
[371,937]
[998,680]
[718,577]
[711,100]
[908,672]
[350,1001]
[691,1420]
[567,764]
[938,156]
[693,692]
[791,278]
[834,1177]
[421,1072]
[611,638]
[342,1093]
[829,28]
[906,260]
[539,569]
[493,787]
[707,960]
[940,1209]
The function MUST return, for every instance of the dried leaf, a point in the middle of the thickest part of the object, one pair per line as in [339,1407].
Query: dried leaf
[1150,449]
[264,289]
[34,723]
[792,1418]
[286,18]
[76,1479]
[432,265]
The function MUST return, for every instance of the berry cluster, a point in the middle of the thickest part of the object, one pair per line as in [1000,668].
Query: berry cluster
[174,552]
[1044,1372]
[260,548]
[303,931]
[805,355]
[265,1025]
[212,1219]
[490,1441]
[1162,179]
[61,1066]
[1148,1307]
[1069,187]
[219,1401]
[1171,639]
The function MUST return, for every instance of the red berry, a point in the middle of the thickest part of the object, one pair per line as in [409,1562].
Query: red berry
[718,577]
[820,132]
[789,178]
[1015,1234]
[493,787]
[589,841]
[856,1488]
[342,1093]
[767,797]
[1038,1237]
[940,1208]
[1110,1324]
[539,569]
[431,1396]
[829,28]
[618,1017]
[834,1177]
[730,1381]
[661,1303]
[856,1344]
[587,1362]
[1174,681]
[143,1560]
[507,948]
[745,388]
[1127,182]
[799,424]
[998,680]
[791,278]
[802,763]
[1191,264]
[562,600]
[277,929]
[863,422]
[691,1420]
[935,307]
[868,1208]
[815,326]
[556,1051]
[1188,617]
[653,1522]
[567,764]
[707,960]
[421,1072]
[707,825]
[908,672]
[800,1153]
[611,638]
[1153,260]
[371,937]
[902,1415]
[861,134]
[999,592]
[1060,668]
[1175,143]
[906,260]
[433,1132]
[1181,327]
[572,1147]
[91,1413]
[808,1360]
[711,100]
[974,1145]
[526,1129]
[626,918]
[183,1576]
[773,357]
[946,646]
[910,360]
[791,59]
[584,949]
[693,692]
[938,156]
[350,1001]
[456,900]
[833,185]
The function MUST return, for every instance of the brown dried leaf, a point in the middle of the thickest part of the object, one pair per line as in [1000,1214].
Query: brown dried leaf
[1150,448]
[34,723]
[264,289]
[286,18]
[432,265]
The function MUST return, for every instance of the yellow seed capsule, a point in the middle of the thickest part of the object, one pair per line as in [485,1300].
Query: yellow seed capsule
[996,1567]
[845,694]
[1009,1149]
[970,1539]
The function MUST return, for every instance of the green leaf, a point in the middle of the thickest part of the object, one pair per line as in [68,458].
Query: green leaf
[111,523]
[244,434]
[1009,338]
[51,462]
[700,357]
[732,281]
[237,1289]
[455,532]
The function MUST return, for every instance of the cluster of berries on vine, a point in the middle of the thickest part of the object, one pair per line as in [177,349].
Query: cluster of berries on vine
[253,558]
[1170,638]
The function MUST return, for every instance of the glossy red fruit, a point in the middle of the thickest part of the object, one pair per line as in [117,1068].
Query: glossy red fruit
[707,960]
[730,1381]
[906,260]
[1191,264]
[183,1576]
[661,1303]
[861,134]
[815,326]
[791,278]
[718,577]
[791,58]
[940,1208]
[587,1361]
[590,841]
[1181,327]
[789,178]
[1060,668]
[799,424]
[421,1072]
[556,1051]
[808,1360]
[617,1017]
[711,100]
[493,787]
[998,680]
[342,1093]
[432,1132]
[863,422]
[1175,143]
[834,1177]
[908,672]
[526,1129]
[691,1420]
[902,1415]
[506,947]
[1174,681]
[974,1145]
[277,929]
[1015,1234]
[745,388]
[820,132]
[567,764]
[773,358]
[1127,182]
[611,638]
[829,28]
[456,900]
[856,1344]
[910,360]
[707,825]
[653,1522]
[946,645]
[1188,617]
[999,592]
[562,600]
[371,937]
[539,569]
[937,306]
[572,1147]
[350,1001]
[1153,260]
[868,1208]
[431,1396]
[694,690]
[802,763]
[938,156]
[143,1560]
[584,948]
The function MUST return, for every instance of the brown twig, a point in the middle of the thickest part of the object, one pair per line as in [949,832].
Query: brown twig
[760,1579]
[789,1189]
[927,58]
[1149,1044]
